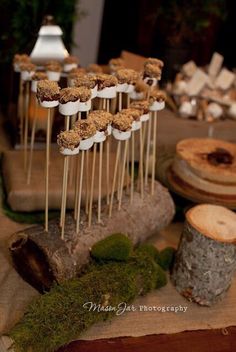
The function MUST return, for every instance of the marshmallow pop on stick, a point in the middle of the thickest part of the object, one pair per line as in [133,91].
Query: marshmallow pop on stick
[87,81]
[151,75]
[86,92]
[27,71]
[86,130]
[157,102]
[94,69]
[143,107]
[102,121]
[70,62]
[116,64]
[69,145]
[122,126]
[107,88]
[74,74]
[17,61]
[135,116]
[48,94]
[38,76]
[68,106]
[53,70]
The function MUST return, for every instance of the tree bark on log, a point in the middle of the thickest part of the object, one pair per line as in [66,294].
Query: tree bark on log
[42,258]
[205,261]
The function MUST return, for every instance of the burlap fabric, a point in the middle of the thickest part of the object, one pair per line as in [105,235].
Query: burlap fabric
[23,197]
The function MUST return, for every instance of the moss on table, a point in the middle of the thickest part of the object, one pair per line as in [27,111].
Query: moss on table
[61,315]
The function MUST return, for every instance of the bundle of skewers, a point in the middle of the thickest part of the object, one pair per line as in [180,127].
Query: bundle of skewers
[93,128]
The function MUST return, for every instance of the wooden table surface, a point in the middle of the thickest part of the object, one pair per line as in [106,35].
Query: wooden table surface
[219,340]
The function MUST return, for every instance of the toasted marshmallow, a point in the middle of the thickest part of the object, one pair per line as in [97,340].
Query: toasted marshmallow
[86,144]
[157,106]
[70,108]
[215,110]
[107,92]
[53,76]
[120,135]
[67,151]
[186,109]
[232,111]
[145,117]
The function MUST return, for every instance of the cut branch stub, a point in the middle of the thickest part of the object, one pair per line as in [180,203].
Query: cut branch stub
[206,258]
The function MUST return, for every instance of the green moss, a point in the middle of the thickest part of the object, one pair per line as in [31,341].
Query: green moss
[166,257]
[58,317]
[114,247]
[148,249]
[161,277]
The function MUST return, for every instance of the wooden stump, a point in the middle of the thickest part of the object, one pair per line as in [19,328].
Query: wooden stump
[206,258]
[42,258]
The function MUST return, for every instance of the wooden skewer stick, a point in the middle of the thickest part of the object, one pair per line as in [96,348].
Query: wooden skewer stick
[87,183]
[80,192]
[21,111]
[76,185]
[128,100]
[76,177]
[64,182]
[108,159]
[66,166]
[154,151]
[47,168]
[114,177]
[104,104]
[100,182]
[86,180]
[32,141]
[72,171]
[149,122]
[120,106]
[92,185]
[123,173]
[26,128]
[141,161]
[132,169]
[119,101]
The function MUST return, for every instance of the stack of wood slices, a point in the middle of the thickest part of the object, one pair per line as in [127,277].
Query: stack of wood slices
[204,170]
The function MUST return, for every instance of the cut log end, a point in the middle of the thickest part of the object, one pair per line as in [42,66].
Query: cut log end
[206,258]
[31,262]
[213,221]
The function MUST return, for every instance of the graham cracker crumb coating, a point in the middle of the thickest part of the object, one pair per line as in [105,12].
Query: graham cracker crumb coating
[127,75]
[68,94]
[85,128]
[122,122]
[68,139]
[48,90]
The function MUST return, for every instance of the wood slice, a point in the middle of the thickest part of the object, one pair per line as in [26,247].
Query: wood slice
[182,188]
[42,258]
[196,152]
[206,258]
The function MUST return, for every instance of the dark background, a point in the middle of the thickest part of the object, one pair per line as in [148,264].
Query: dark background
[129,25]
